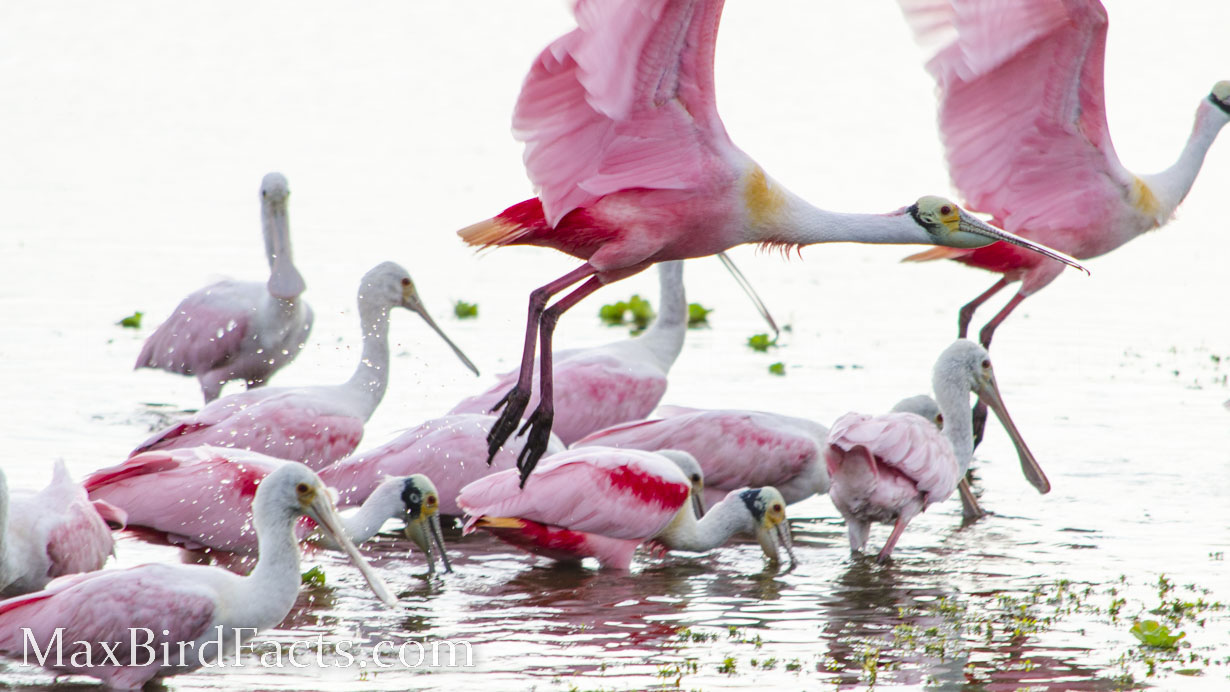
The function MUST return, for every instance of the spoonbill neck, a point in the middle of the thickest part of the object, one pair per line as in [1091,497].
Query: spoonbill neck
[794,221]
[1170,186]
[722,521]
[952,394]
[363,523]
[273,585]
[371,377]
[285,282]
[664,338]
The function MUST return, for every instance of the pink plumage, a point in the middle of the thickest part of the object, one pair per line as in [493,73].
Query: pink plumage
[197,497]
[309,425]
[625,495]
[450,450]
[51,533]
[736,448]
[887,468]
[102,607]
[243,330]
[1022,114]
[633,166]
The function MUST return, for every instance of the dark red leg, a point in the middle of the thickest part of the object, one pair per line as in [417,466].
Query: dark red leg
[979,414]
[539,422]
[517,398]
[967,310]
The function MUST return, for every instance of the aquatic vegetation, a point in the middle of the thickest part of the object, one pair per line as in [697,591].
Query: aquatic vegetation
[313,577]
[1154,634]
[635,311]
[778,368]
[133,321]
[698,315]
[761,342]
[464,310]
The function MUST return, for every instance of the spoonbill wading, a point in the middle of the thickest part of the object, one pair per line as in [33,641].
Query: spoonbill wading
[193,613]
[738,448]
[320,424]
[602,502]
[633,167]
[890,467]
[239,330]
[201,497]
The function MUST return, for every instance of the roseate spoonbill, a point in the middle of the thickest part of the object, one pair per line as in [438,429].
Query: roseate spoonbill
[451,450]
[52,532]
[201,497]
[889,468]
[737,448]
[603,503]
[633,166]
[314,425]
[193,614]
[1023,118]
[239,330]
[613,383]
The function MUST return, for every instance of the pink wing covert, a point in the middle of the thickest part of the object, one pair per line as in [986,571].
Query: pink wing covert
[202,334]
[1022,110]
[616,493]
[591,126]
[905,441]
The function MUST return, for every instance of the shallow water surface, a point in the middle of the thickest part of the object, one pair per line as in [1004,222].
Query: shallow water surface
[135,138]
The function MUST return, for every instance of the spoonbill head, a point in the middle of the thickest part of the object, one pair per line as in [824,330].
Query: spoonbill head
[422,504]
[389,285]
[966,367]
[285,281]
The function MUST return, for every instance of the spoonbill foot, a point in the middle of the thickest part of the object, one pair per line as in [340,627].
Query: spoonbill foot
[539,425]
[514,404]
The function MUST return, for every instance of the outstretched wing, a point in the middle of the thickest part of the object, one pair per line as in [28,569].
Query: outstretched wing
[625,100]
[1021,108]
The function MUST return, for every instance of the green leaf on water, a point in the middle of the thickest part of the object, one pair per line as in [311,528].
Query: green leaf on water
[314,576]
[613,313]
[635,311]
[464,310]
[698,315]
[133,321]
[1154,634]
[642,311]
[778,368]
[761,342]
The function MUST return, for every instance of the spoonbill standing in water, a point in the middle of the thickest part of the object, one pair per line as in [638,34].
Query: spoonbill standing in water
[737,448]
[188,610]
[602,502]
[201,497]
[239,330]
[888,468]
[314,425]
[633,166]
[52,532]
[1023,117]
